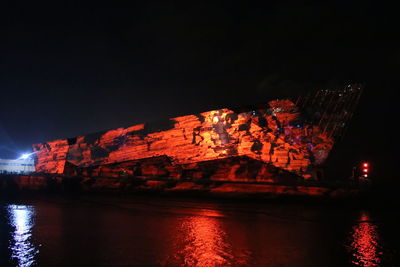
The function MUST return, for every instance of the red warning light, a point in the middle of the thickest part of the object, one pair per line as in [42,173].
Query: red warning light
[364,170]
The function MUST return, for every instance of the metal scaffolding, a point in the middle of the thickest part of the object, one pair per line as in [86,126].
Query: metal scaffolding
[331,110]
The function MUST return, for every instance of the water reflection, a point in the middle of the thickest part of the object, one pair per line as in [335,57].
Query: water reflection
[204,241]
[365,244]
[22,249]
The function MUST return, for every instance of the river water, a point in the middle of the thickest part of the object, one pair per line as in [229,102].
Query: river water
[151,231]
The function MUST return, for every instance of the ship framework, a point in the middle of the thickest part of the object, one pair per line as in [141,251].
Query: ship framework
[279,139]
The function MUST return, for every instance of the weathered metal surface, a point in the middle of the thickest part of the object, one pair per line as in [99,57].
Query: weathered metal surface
[241,168]
[281,134]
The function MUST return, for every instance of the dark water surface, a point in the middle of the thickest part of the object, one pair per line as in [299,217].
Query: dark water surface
[150,231]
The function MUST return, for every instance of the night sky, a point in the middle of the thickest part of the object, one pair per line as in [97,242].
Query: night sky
[72,69]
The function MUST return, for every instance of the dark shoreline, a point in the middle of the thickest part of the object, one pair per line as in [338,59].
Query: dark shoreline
[314,193]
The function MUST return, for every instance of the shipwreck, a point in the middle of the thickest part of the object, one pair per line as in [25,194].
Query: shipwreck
[275,148]
[280,139]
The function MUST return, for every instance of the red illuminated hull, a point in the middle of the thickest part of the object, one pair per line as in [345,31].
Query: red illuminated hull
[282,138]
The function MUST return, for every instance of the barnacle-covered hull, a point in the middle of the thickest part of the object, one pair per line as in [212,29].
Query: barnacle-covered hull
[284,137]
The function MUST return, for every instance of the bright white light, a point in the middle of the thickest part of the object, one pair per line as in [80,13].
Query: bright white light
[25,156]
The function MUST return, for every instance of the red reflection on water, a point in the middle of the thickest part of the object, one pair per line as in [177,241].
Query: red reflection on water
[365,243]
[205,244]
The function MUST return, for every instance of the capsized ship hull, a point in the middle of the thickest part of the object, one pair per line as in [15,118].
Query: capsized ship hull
[285,137]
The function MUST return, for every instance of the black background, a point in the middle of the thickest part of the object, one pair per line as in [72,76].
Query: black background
[68,69]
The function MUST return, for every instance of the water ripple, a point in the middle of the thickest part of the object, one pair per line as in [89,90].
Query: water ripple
[22,248]
[365,247]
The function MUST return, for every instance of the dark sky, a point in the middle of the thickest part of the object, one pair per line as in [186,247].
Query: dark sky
[71,69]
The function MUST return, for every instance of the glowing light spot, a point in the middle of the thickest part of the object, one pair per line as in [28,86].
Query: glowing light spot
[25,156]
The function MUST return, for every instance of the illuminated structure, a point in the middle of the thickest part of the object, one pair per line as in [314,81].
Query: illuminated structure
[281,138]
[18,166]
